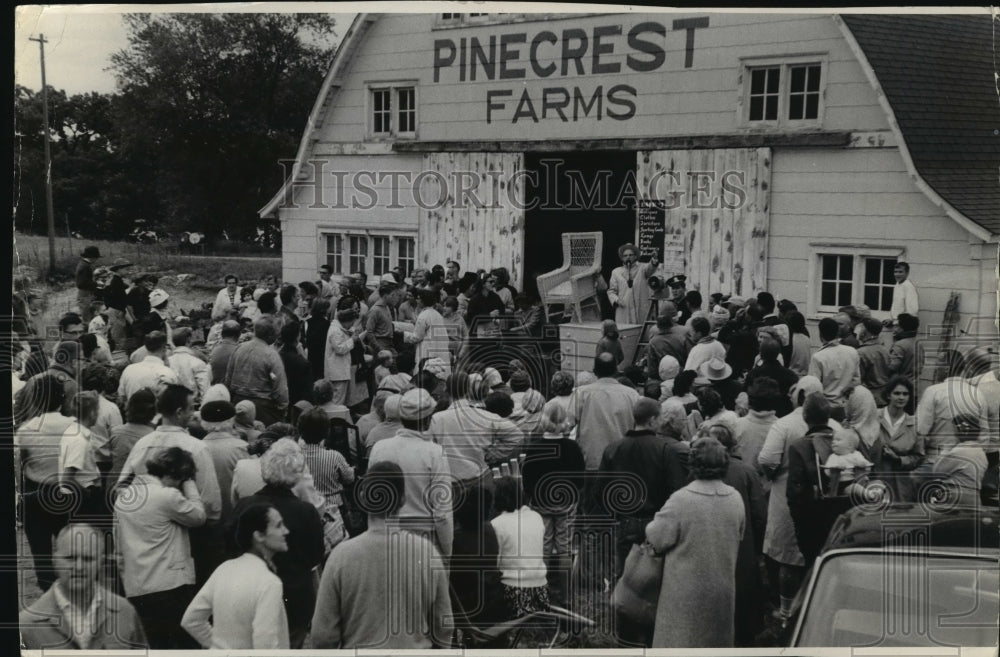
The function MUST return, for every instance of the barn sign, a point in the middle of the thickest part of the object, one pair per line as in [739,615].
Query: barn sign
[570,52]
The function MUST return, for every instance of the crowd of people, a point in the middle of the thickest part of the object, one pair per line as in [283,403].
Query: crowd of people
[330,464]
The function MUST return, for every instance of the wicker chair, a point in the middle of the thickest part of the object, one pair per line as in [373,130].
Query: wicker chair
[574,285]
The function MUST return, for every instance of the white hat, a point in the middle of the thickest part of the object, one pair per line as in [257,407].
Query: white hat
[157,296]
[416,404]
[388,278]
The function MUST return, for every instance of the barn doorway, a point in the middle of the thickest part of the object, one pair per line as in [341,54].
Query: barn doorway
[576,192]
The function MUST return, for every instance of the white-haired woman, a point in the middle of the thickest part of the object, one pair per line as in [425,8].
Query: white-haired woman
[282,467]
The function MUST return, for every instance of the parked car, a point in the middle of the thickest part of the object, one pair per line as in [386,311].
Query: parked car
[904,576]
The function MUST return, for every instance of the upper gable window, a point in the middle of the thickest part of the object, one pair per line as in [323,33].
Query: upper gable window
[783,92]
[392,109]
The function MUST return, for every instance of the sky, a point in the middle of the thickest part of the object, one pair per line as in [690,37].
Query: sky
[82,38]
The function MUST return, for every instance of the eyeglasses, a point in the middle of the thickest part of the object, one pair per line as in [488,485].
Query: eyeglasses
[76,331]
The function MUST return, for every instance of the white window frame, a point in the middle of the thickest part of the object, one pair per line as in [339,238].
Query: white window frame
[386,257]
[393,87]
[325,255]
[371,113]
[324,232]
[413,258]
[785,64]
[859,252]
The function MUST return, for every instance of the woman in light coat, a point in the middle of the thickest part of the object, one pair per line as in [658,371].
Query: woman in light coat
[340,340]
[698,531]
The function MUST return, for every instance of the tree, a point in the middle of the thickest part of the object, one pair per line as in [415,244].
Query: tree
[96,189]
[212,102]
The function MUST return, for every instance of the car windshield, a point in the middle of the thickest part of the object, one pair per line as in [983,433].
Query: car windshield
[903,600]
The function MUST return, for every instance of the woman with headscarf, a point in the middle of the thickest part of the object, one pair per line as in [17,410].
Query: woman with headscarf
[668,370]
[698,531]
[861,414]
[628,290]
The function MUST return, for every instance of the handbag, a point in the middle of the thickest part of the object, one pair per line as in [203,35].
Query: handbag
[637,592]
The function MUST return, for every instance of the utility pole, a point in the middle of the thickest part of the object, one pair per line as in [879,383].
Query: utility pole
[48,160]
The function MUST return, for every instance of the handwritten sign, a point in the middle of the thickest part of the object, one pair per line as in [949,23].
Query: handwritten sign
[651,222]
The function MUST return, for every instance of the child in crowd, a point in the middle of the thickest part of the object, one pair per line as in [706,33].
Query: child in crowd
[610,342]
[846,458]
[520,533]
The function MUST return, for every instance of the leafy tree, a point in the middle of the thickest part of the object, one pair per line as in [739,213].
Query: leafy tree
[212,102]
[96,189]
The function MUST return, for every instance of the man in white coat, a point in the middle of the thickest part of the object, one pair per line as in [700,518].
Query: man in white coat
[628,290]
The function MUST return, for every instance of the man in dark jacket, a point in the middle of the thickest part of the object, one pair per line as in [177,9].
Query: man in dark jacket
[85,284]
[670,340]
[649,470]
[902,359]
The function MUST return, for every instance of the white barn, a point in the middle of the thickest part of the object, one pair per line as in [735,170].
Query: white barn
[802,154]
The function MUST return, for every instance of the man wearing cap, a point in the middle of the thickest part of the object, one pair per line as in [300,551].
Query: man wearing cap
[678,294]
[671,339]
[720,375]
[85,284]
[224,445]
[427,508]
[628,290]
[115,298]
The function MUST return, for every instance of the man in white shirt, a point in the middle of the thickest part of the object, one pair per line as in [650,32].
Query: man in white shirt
[227,298]
[192,372]
[705,346]
[601,411]
[151,372]
[837,366]
[904,294]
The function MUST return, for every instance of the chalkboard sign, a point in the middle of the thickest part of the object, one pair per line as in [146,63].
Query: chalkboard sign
[651,220]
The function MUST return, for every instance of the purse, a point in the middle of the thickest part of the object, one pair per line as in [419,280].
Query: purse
[637,592]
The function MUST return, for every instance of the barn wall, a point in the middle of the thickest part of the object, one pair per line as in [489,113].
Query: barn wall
[726,242]
[400,48]
[866,197]
[483,227]
[357,192]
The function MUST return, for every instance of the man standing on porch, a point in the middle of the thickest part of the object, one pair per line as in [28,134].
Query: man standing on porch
[628,290]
